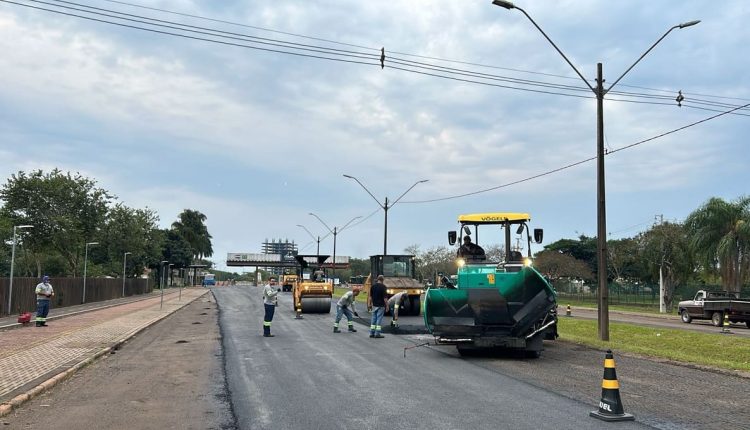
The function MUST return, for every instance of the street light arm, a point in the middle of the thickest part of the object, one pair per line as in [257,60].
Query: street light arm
[347,224]
[640,58]
[308,232]
[550,41]
[402,195]
[368,191]
[683,25]
[322,222]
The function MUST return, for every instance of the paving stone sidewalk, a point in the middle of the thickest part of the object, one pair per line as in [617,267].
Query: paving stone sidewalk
[30,355]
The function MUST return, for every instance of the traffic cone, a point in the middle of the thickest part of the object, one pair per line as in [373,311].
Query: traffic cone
[298,310]
[725,328]
[610,406]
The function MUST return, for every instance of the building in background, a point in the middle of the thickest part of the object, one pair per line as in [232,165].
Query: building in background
[285,248]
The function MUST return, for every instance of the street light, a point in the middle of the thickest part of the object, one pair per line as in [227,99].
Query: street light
[334,232]
[600,92]
[12,258]
[85,267]
[161,284]
[385,207]
[124,262]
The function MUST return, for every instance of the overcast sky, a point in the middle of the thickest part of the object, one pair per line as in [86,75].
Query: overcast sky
[257,140]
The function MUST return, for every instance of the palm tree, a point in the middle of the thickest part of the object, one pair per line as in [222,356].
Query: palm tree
[720,236]
[191,227]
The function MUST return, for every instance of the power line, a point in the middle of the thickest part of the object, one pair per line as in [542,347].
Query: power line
[316,49]
[365,218]
[299,54]
[575,78]
[404,53]
[239,24]
[205,31]
[568,166]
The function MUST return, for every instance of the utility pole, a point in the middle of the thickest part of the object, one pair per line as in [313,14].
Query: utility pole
[599,91]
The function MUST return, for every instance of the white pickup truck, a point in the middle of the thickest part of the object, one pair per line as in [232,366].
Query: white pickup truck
[713,305]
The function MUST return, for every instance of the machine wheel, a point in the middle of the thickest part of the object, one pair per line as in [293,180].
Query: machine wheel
[533,354]
[685,316]
[316,305]
[466,352]
[414,307]
[717,318]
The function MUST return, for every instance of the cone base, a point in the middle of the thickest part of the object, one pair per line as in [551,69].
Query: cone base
[612,417]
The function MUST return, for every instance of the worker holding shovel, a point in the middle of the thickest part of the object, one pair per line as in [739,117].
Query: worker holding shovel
[345,306]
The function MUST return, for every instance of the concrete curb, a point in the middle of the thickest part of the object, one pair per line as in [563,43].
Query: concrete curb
[7,407]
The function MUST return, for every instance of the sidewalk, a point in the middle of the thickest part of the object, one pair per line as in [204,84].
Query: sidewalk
[33,359]
[55,312]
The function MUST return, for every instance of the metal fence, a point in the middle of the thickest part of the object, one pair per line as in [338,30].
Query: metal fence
[68,291]
[640,294]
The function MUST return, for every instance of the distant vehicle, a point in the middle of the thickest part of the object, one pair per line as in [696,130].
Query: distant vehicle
[209,279]
[288,282]
[713,305]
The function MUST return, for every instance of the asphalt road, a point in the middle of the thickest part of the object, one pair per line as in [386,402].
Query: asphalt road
[307,377]
[170,376]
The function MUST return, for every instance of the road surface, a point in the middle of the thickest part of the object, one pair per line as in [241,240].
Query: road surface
[308,377]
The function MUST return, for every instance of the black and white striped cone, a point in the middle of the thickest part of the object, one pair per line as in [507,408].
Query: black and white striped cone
[610,406]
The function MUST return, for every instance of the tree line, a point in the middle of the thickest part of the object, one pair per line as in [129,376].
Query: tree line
[69,211]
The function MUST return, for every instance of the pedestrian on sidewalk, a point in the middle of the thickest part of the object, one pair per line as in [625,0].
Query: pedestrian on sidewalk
[269,303]
[44,294]
[396,302]
[376,304]
[345,306]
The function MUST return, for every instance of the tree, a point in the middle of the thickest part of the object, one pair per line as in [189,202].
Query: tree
[129,230]
[438,259]
[666,248]
[557,265]
[66,211]
[720,238]
[190,226]
[623,258]
[176,250]
[583,249]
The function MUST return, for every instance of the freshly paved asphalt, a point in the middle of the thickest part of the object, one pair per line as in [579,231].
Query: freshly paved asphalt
[308,377]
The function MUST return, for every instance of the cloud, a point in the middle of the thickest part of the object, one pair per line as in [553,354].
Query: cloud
[257,140]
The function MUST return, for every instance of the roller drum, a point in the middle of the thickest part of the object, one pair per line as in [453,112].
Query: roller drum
[317,305]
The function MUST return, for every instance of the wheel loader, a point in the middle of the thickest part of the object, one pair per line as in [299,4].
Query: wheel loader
[504,303]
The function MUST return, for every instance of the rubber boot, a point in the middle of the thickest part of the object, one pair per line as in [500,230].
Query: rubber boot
[352,329]
[336,330]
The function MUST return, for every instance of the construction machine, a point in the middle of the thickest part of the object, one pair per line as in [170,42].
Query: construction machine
[313,291]
[288,281]
[504,303]
[399,275]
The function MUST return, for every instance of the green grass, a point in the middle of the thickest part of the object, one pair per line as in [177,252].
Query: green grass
[361,298]
[724,351]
